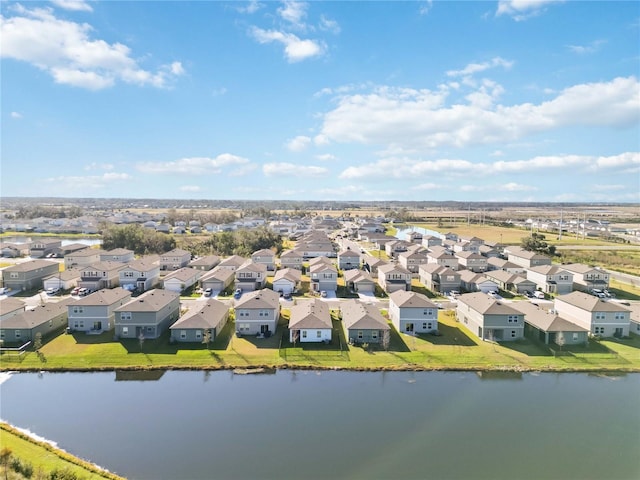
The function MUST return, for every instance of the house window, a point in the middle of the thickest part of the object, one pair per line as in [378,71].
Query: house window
[78,309]
[13,275]
[183,334]
[575,337]
[600,315]
[513,319]
[304,334]
[429,327]
[149,329]
[513,334]
[424,326]
[374,334]
[125,315]
[360,334]
[125,330]
[76,324]
[619,316]
[128,274]
[428,312]
[198,334]
[318,334]
[17,334]
[599,330]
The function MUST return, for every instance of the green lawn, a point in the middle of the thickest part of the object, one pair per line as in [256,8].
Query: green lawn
[456,348]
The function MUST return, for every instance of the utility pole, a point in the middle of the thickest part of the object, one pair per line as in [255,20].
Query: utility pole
[560,227]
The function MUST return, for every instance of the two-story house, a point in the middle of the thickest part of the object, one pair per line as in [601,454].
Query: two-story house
[438,278]
[206,263]
[82,258]
[489,319]
[147,316]
[41,247]
[100,275]
[471,260]
[232,263]
[429,241]
[10,306]
[323,276]
[174,259]
[586,278]
[122,255]
[394,277]
[348,259]
[142,274]
[443,257]
[251,276]
[95,313]
[600,317]
[292,259]
[371,264]
[28,275]
[525,258]
[359,281]
[265,257]
[411,260]
[257,313]
[412,312]
[551,279]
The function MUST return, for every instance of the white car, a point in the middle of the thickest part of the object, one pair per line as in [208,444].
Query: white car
[52,291]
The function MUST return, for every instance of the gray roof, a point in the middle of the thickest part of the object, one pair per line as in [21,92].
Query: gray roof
[29,266]
[209,315]
[176,252]
[65,275]
[486,305]
[545,320]
[405,299]
[502,264]
[118,251]
[150,301]
[312,314]
[205,261]
[184,273]
[290,274]
[550,270]
[322,267]
[39,315]
[10,304]
[469,254]
[221,274]
[85,252]
[357,276]
[265,252]
[291,253]
[390,267]
[105,296]
[361,316]
[579,268]
[259,299]
[252,266]
[348,253]
[374,261]
[107,266]
[144,264]
[232,261]
[590,303]
[519,252]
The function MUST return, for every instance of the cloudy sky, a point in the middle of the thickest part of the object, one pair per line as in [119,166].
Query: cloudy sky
[493,101]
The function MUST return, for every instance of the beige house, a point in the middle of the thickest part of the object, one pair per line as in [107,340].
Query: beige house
[82,258]
[599,317]
[359,281]
[348,259]
[551,279]
[218,279]
[101,275]
[265,257]
[411,260]
[586,278]
[123,255]
[41,247]
[286,280]
[174,259]
[525,258]
[232,263]
[251,276]
[489,319]
[257,313]
[394,277]
[291,259]
[206,263]
[181,279]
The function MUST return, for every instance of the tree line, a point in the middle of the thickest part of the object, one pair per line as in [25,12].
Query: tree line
[241,242]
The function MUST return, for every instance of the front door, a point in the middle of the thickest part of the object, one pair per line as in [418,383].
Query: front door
[408,327]
[97,325]
[264,328]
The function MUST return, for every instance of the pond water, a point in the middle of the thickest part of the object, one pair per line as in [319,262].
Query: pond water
[331,425]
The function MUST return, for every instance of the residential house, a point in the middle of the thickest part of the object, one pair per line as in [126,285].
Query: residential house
[359,281]
[489,252]
[394,277]
[41,247]
[147,316]
[526,258]
[286,280]
[477,282]
[211,316]
[511,281]
[348,259]
[257,313]
[600,317]
[551,279]
[13,250]
[634,317]
[468,244]
[412,260]
[95,313]
[101,275]
[429,241]
[251,276]
[10,306]
[412,312]
[181,279]
[488,318]
[72,247]
[443,257]
[413,237]
[494,263]
[371,264]
[586,278]
[46,319]
[82,258]
[175,259]
[393,248]
[204,264]
[123,255]
[472,261]
[65,280]
[548,327]
[28,275]
[438,278]
[265,257]
[363,323]
[323,276]
[218,279]
[291,259]
[310,322]
[142,274]
[232,263]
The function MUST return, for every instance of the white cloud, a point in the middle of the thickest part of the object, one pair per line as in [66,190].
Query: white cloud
[608,188]
[86,183]
[481,67]
[292,170]
[328,25]
[424,7]
[195,165]
[295,48]
[326,157]
[299,143]
[412,118]
[429,186]
[75,5]
[67,52]
[522,9]
[541,162]
[243,170]
[252,7]
[406,168]
[190,188]
[293,12]
[16,115]
[585,49]
[99,166]
[515,187]
[628,161]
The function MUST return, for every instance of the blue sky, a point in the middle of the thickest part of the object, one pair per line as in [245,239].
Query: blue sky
[471,101]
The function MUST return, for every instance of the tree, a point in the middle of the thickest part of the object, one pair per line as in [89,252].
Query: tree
[206,337]
[295,335]
[5,458]
[141,339]
[37,342]
[536,243]
[386,339]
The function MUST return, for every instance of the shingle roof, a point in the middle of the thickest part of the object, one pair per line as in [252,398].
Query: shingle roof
[357,276]
[405,299]
[232,261]
[290,274]
[39,315]
[312,314]
[357,315]
[150,301]
[10,304]
[484,304]
[106,266]
[184,273]
[105,296]
[590,303]
[209,315]
[221,274]
[264,298]
[29,266]
[545,320]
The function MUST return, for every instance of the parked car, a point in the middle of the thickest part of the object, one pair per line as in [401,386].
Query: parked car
[238,293]
[287,296]
[208,292]
[84,291]
[493,294]
[4,290]
[538,294]
[75,291]
[323,293]
[52,291]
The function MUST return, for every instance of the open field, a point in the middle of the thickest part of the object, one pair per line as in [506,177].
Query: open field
[45,458]
[455,349]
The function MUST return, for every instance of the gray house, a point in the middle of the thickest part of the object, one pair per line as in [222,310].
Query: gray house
[489,319]
[438,278]
[599,317]
[257,313]
[323,276]
[359,281]
[292,259]
[211,316]
[394,277]
[551,279]
[142,274]
[28,275]
[251,276]
[265,257]
[123,255]
[412,312]
[205,263]
[95,313]
[348,259]
[101,275]
[181,279]
[286,280]
[363,323]
[47,319]
[148,315]
[41,247]
[218,279]
[82,258]
[548,327]
[175,259]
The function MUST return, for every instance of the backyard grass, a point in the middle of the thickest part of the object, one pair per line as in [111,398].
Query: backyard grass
[455,349]
[45,458]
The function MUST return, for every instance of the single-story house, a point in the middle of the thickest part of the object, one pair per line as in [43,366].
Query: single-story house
[205,263]
[310,322]
[359,281]
[65,280]
[191,327]
[286,280]
[181,279]
[474,282]
[548,327]
[218,279]
[10,306]
[363,323]
[47,319]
